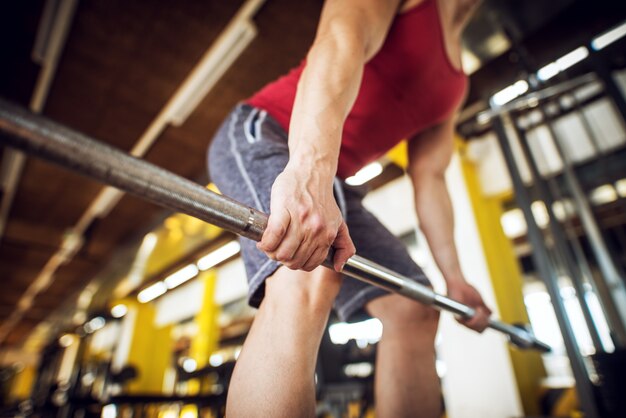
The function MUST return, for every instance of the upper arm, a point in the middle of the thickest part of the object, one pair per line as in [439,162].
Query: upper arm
[363,21]
[430,151]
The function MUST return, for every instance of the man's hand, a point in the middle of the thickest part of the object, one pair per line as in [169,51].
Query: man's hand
[463,292]
[305,221]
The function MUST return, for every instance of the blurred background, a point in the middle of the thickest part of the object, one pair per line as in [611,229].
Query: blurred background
[111,306]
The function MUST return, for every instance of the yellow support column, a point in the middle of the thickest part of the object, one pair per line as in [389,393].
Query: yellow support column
[206,341]
[208,329]
[22,384]
[507,281]
[150,351]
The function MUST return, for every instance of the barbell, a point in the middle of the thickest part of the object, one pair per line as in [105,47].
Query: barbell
[43,138]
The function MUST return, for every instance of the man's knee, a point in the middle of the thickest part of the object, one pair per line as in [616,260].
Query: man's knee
[315,290]
[399,312]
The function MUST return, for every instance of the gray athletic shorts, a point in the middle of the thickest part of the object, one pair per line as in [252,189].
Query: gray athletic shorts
[247,154]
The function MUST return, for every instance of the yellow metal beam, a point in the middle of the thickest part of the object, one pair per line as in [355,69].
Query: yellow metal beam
[206,340]
[506,280]
[208,329]
[150,351]
[22,384]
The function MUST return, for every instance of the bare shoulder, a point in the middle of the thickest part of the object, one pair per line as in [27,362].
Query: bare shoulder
[409,4]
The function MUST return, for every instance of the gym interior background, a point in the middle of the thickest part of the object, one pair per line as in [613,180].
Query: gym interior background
[111,306]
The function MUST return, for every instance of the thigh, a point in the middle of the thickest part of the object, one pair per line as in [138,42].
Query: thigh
[246,155]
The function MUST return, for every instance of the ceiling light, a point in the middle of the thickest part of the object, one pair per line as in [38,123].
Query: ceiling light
[181,276]
[119,310]
[483,118]
[509,93]
[216,360]
[620,186]
[66,340]
[603,194]
[608,37]
[365,174]
[94,325]
[152,292]
[563,209]
[513,223]
[540,213]
[469,61]
[190,365]
[223,253]
[572,58]
[547,72]
[109,411]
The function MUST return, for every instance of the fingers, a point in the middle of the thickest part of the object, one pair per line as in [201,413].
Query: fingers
[309,250]
[303,245]
[344,247]
[479,322]
[277,226]
[316,259]
[468,295]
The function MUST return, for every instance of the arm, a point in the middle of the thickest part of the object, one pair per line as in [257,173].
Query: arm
[429,156]
[305,220]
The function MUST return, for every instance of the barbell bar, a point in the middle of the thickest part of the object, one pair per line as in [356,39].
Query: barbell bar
[43,138]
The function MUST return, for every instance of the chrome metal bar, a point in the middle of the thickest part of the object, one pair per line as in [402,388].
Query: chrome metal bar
[611,273]
[48,140]
[43,138]
[562,248]
[531,99]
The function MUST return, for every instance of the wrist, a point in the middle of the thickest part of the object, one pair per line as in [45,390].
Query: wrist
[454,278]
[322,167]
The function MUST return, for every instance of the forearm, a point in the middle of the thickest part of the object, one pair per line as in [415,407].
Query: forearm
[326,93]
[350,33]
[304,217]
[434,210]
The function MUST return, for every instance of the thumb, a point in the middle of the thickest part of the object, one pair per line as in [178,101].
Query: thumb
[275,230]
[344,248]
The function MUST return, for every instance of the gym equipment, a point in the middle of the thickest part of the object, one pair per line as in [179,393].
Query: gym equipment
[43,138]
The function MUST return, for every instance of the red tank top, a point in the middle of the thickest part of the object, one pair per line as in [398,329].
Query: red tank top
[407,87]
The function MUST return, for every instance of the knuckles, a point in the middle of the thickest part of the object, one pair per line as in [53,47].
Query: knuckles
[317,231]
[283,256]
[278,231]
[294,265]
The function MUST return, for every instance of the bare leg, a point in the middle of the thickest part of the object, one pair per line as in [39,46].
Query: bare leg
[274,376]
[406,383]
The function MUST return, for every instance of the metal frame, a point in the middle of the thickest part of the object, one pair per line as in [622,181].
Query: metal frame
[563,250]
[611,274]
[540,257]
